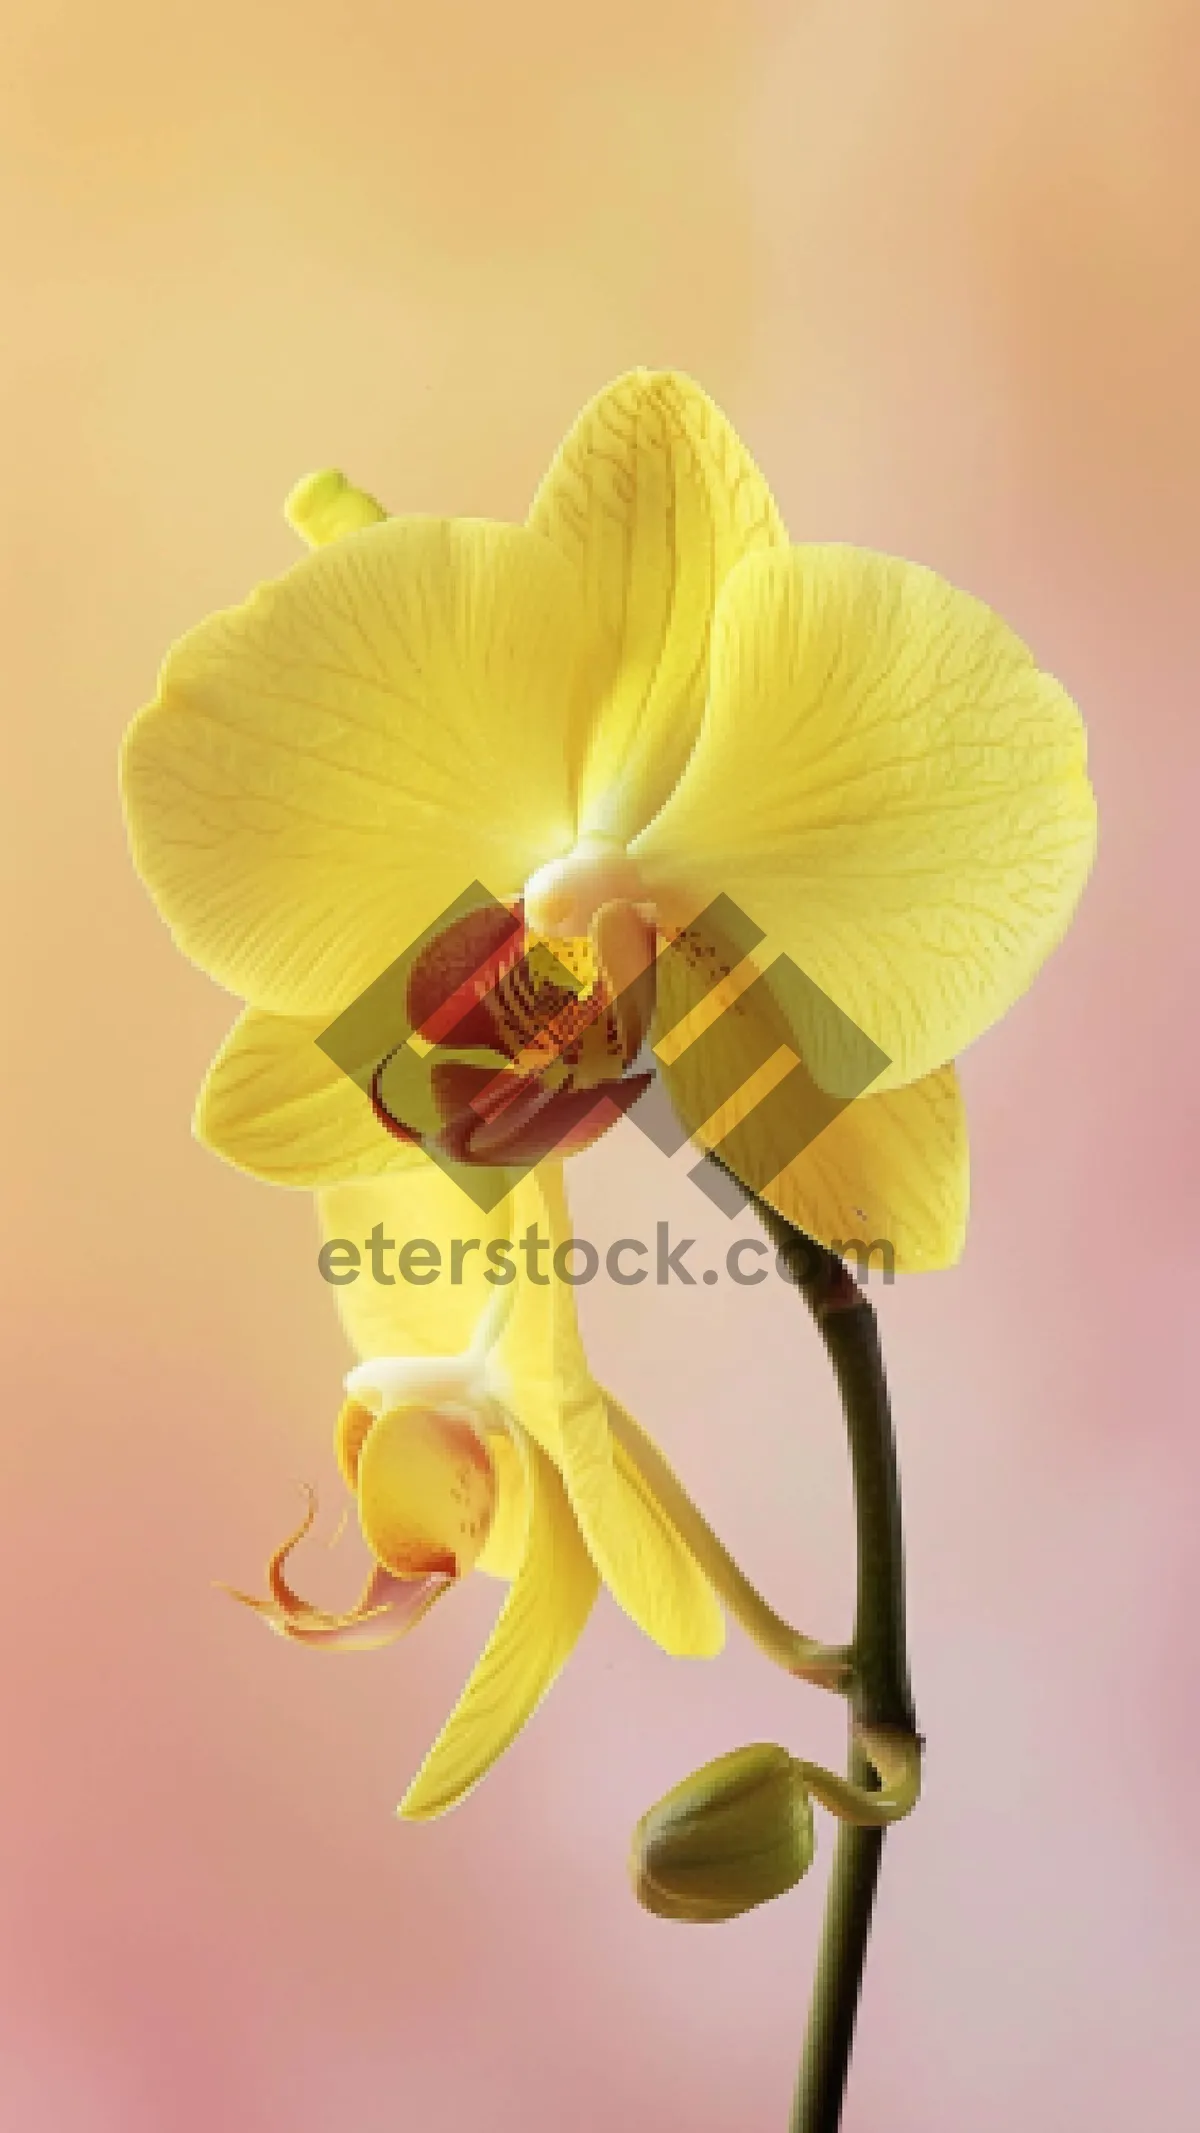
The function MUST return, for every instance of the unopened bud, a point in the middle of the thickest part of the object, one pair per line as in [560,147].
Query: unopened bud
[734,1834]
[324,506]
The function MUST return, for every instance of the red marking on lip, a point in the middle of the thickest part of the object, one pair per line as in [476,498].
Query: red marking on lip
[476,988]
[538,1121]
[390,1123]
[419,1559]
[451,981]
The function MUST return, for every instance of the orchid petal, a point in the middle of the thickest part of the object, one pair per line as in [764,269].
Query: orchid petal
[328,767]
[647,1567]
[537,1629]
[652,498]
[275,1105]
[892,791]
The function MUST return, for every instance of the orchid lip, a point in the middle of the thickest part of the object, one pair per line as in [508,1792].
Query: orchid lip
[544,1122]
[387,1607]
[427,1489]
[486,986]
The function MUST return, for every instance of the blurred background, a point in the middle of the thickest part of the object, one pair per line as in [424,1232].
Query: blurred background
[938,262]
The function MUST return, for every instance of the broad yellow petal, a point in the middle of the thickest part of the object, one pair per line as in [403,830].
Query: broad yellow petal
[888,786]
[647,1567]
[889,1171]
[888,1182]
[274,1104]
[652,498]
[329,767]
[430,1299]
[538,1627]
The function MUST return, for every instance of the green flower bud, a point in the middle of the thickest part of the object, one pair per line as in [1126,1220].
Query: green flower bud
[734,1834]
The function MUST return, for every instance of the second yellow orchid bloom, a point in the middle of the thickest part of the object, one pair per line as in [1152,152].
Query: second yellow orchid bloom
[475,1437]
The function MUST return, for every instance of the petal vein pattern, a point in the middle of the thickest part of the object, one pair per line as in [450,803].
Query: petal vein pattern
[888,785]
[647,1567]
[274,1104]
[325,767]
[652,499]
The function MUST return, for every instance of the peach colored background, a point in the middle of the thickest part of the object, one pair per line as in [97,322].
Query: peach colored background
[939,262]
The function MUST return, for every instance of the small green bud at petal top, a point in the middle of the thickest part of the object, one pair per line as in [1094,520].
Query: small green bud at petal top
[324,506]
[734,1834]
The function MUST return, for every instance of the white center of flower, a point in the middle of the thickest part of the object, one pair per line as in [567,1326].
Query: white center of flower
[563,897]
[389,1381]
[465,1381]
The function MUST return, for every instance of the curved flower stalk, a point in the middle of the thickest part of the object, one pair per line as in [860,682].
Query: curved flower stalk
[474,1437]
[641,700]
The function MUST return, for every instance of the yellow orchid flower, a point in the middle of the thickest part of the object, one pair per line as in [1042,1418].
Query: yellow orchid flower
[474,1436]
[447,1479]
[641,700]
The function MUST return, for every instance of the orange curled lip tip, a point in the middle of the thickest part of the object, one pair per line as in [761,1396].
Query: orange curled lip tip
[386,1609]
[281,1593]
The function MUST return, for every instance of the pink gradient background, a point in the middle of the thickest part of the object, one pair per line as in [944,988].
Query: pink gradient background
[939,263]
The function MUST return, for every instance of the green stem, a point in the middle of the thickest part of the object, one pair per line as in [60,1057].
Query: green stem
[825,2064]
[878,1688]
